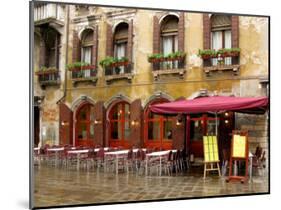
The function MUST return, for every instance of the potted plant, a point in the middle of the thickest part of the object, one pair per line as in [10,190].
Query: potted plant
[123,61]
[46,70]
[235,52]
[78,66]
[155,58]
[207,54]
[176,55]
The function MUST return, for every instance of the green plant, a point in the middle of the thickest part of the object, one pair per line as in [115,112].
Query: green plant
[161,56]
[155,56]
[207,52]
[44,68]
[77,65]
[110,61]
[123,59]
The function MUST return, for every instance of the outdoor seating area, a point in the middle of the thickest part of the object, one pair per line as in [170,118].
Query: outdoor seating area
[116,160]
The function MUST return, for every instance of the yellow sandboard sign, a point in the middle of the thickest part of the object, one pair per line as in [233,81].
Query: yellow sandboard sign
[210,145]
[239,146]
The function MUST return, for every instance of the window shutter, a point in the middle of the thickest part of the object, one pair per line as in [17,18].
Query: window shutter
[181,32]
[95,47]
[130,41]
[42,59]
[65,125]
[156,35]
[136,130]
[76,51]
[235,31]
[178,134]
[206,31]
[109,41]
[99,115]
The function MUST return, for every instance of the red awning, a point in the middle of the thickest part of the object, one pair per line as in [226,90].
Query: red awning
[256,105]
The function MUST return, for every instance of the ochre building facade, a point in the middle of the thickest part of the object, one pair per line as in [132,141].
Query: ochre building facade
[90,104]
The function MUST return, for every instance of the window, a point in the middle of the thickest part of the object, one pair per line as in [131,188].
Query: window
[169,39]
[86,50]
[159,130]
[119,118]
[221,35]
[120,43]
[169,34]
[52,48]
[85,125]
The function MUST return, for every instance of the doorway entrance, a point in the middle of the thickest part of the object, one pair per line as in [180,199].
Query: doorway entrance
[158,129]
[199,126]
[120,127]
[36,121]
[84,127]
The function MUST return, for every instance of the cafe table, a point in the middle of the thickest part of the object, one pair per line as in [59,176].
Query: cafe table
[78,155]
[116,155]
[159,154]
[56,150]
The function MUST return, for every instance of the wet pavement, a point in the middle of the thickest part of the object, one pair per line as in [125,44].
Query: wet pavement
[60,186]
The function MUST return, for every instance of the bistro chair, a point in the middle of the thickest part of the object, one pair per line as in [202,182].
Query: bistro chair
[99,158]
[259,162]
[142,162]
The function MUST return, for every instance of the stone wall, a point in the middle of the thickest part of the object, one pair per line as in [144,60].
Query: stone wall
[257,127]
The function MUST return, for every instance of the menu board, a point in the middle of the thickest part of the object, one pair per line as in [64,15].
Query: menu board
[239,146]
[211,153]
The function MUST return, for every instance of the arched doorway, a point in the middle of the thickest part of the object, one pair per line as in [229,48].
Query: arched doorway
[119,125]
[158,131]
[84,126]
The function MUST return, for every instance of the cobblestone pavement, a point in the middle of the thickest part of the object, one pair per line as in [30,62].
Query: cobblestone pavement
[59,186]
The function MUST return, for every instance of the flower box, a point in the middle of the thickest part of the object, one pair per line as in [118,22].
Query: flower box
[88,67]
[158,57]
[45,71]
[222,53]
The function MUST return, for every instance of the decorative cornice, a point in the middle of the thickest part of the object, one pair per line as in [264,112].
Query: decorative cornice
[86,19]
[122,12]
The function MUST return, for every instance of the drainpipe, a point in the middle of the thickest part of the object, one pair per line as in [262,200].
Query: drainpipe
[66,57]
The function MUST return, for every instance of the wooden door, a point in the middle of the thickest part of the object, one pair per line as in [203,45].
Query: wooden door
[199,126]
[120,127]
[84,128]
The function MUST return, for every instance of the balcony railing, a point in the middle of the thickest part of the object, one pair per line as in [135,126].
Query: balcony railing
[168,67]
[45,12]
[84,74]
[48,77]
[230,63]
[118,71]
[221,60]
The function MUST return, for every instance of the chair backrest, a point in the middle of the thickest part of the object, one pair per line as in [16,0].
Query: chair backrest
[142,155]
[170,155]
[100,153]
[130,154]
[263,157]
[258,152]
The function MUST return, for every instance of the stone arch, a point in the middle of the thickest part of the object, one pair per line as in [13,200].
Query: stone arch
[157,95]
[168,14]
[115,25]
[81,31]
[81,100]
[199,93]
[120,97]
[114,100]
